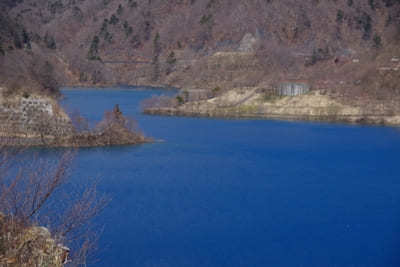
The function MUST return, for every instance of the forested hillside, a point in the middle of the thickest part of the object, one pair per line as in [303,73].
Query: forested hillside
[349,48]
[25,66]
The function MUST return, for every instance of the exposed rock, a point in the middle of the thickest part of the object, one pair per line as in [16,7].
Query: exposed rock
[254,103]
[40,121]
[22,246]
[247,44]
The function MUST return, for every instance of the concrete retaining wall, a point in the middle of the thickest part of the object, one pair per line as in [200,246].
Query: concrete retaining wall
[33,116]
[292,89]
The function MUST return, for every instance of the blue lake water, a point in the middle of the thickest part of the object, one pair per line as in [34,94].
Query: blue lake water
[243,192]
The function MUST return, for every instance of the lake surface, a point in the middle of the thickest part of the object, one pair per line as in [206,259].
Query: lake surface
[243,192]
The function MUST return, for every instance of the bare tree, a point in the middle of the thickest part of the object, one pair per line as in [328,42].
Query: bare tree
[31,194]
[80,123]
[159,102]
[115,128]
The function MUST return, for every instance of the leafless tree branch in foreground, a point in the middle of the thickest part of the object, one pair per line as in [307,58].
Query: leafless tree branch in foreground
[32,194]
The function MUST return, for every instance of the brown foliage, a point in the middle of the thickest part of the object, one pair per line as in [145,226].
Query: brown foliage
[113,129]
[30,195]
[80,123]
[159,102]
[290,33]
[22,72]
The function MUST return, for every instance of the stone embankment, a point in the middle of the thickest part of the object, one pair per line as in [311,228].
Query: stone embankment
[256,103]
[34,120]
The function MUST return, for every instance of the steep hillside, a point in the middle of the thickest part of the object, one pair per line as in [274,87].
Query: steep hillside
[348,48]
[25,67]
[31,72]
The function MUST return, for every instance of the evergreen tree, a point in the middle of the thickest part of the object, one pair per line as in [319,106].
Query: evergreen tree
[156,57]
[93,53]
[171,61]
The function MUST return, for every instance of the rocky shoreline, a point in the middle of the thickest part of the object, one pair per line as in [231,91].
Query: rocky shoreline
[36,120]
[367,120]
[29,246]
[309,107]
[75,141]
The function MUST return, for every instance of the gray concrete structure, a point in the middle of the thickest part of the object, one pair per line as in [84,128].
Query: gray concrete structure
[292,89]
[32,116]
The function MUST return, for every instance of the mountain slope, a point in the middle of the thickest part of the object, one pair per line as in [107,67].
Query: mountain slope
[349,48]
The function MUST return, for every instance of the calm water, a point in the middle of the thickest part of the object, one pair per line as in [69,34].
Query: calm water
[244,192]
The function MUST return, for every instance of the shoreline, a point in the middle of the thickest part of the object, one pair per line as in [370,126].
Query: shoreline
[236,113]
[252,103]
[117,86]
[368,120]
[40,121]
[73,142]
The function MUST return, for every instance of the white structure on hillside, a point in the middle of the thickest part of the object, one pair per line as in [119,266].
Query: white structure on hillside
[292,89]
[248,43]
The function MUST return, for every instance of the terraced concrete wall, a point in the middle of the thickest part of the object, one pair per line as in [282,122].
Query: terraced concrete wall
[32,117]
